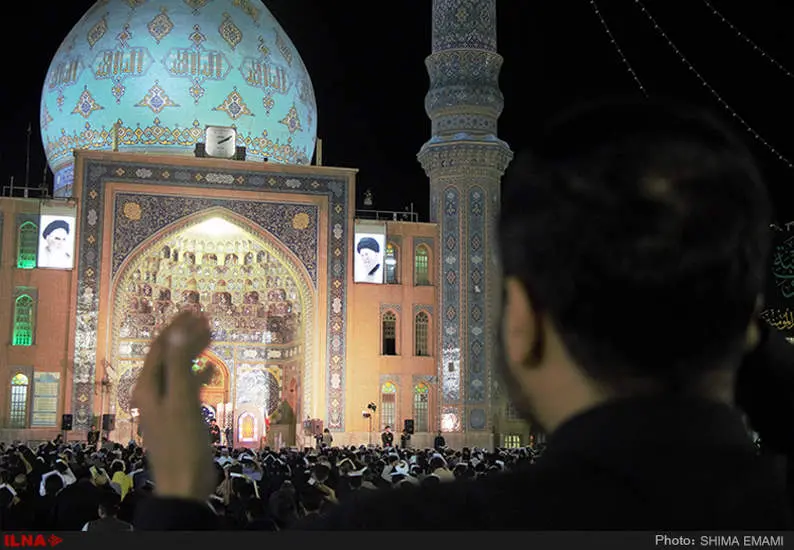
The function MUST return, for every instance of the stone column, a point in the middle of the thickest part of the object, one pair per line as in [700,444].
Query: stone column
[465,160]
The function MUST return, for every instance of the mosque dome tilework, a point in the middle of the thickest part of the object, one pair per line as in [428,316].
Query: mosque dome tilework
[164,70]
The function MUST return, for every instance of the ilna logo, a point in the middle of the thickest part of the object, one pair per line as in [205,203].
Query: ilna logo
[41,541]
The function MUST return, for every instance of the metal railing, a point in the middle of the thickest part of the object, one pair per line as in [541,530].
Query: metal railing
[10,191]
[388,215]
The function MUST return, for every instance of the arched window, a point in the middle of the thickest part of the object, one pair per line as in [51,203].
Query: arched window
[388,405]
[390,259]
[421,324]
[18,414]
[23,321]
[421,266]
[27,245]
[421,407]
[389,330]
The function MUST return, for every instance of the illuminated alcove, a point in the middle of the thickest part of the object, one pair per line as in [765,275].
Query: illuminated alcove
[259,302]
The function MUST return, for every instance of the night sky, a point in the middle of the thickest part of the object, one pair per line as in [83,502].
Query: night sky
[367,66]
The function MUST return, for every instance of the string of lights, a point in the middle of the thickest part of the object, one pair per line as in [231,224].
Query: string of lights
[747,39]
[617,47]
[724,104]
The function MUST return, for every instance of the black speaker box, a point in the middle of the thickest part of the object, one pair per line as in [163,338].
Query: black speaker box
[108,422]
[409,425]
[66,422]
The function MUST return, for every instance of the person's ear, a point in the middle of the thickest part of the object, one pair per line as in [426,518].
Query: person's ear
[522,326]
[754,330]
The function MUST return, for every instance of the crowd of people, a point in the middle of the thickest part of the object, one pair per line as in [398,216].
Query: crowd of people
[68,487]
[71,487]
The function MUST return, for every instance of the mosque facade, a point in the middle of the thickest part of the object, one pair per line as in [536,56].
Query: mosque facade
[263,241]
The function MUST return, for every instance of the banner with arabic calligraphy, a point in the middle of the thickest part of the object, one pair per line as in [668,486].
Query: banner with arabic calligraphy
[779,298]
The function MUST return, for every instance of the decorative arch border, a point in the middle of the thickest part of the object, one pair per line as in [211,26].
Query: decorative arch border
[266,237]
[218,361]
[96,170]
[296,269]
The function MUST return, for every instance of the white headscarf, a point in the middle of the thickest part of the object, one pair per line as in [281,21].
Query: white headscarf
[68,476]
[42,490]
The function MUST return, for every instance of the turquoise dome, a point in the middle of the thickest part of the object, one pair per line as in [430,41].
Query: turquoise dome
[164,70]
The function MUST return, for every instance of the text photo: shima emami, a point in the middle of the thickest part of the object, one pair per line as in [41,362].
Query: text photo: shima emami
[754,540]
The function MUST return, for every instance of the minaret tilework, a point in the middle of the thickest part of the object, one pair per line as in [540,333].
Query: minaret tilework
[465,160]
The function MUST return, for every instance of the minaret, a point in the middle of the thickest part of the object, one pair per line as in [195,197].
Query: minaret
[465,160]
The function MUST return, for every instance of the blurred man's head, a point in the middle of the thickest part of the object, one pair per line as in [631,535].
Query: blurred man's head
[633,243]
[322,472]
[312,500]
[109,505]
[53,484]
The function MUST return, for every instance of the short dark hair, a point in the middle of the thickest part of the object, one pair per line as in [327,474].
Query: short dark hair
[312,499]
[639,230]
[110,502]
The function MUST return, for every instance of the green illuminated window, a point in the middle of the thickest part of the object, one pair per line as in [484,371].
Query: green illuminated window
[421,267]
[18,414]
[23,321]
[27,245]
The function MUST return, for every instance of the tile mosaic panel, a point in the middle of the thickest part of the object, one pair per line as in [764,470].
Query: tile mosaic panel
[464,24]
[97,172]
[475,298]
[154,213]
[449,316]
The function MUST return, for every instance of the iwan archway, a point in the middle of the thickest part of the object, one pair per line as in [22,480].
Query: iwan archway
[260,302]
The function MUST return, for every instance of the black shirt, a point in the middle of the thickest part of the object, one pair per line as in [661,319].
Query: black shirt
[215,433]
[650,464]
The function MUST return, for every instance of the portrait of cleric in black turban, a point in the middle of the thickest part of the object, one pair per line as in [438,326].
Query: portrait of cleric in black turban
[369,259]
[56,243]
